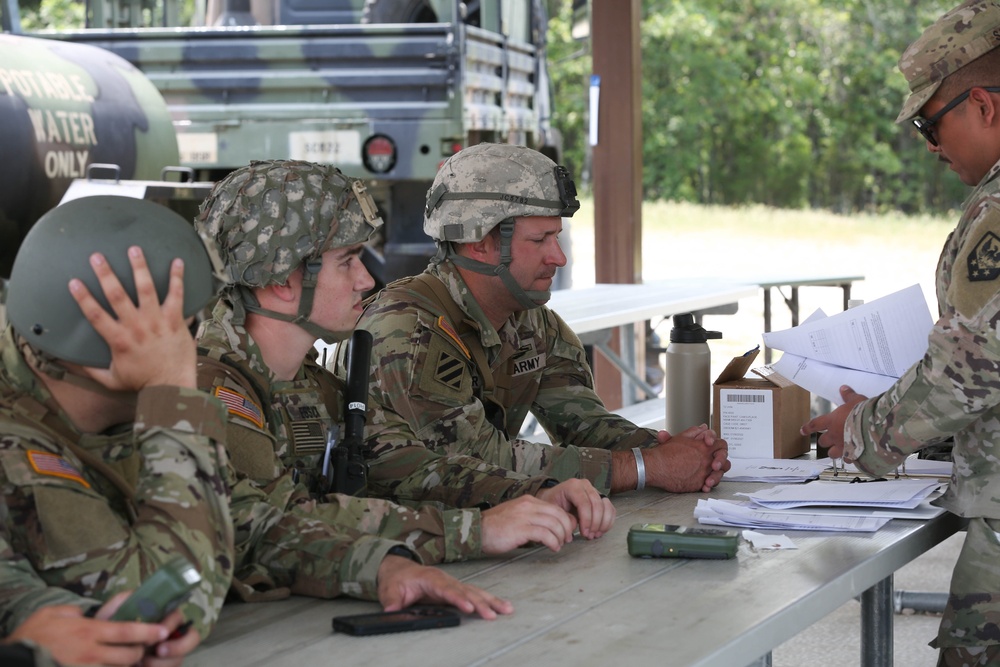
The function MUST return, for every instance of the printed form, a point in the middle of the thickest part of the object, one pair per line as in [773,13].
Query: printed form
[867,347]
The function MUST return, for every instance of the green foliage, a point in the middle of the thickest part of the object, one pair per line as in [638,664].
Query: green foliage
[50,14]
[787,103]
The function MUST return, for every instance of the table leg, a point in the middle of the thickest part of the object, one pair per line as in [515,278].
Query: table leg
[767,322]
[876,625]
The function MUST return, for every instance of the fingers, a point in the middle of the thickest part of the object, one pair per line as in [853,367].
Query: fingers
[109,608]
[171,653]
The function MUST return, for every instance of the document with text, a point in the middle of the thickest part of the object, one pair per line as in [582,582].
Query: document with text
[867,347]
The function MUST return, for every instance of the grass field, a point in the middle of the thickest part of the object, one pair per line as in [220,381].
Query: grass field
[678,240]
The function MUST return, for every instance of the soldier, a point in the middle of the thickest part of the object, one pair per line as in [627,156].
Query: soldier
[291,235]
[953,71]
[467,349]
[112,461]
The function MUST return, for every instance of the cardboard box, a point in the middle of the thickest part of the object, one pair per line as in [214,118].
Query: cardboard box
[759,417]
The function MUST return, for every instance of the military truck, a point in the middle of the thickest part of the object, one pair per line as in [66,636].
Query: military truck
[384,89]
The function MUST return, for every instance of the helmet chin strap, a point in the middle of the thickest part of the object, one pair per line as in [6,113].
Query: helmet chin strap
[528,299]
[310,276]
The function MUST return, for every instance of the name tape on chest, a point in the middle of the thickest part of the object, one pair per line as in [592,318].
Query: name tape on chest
[241,406]
[54,465]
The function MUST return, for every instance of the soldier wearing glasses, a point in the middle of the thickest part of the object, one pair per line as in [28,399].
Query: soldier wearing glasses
[953,71]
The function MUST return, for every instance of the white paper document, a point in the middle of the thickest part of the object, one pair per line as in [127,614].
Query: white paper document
[775,471]
[729,513]
[908,493]
[867,347]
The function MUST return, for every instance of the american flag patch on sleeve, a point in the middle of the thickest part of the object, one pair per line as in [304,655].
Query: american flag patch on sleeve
[54,465]
[241,406]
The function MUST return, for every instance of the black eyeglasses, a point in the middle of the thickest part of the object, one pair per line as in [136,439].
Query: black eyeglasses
[925,126]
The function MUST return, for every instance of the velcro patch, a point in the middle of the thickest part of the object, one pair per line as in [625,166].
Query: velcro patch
[54,465]
[449,331]
[529,365]
[443,371]
[449,370]
[241,406]
[984,260]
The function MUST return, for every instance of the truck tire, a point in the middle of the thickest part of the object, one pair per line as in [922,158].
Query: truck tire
[398,11]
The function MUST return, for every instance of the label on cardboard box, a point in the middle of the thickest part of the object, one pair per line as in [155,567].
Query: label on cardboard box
[746,422]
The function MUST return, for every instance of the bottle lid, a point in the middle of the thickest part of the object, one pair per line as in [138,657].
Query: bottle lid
[686,331]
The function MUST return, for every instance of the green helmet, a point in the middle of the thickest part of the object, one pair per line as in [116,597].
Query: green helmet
[58,247]
[273,216]
[487,185]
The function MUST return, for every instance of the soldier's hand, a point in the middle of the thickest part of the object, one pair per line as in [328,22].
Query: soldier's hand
[526,519]
[685,464]
[594,513]
[402,582]
[150,342]
[182,640]
[831,425]
[74,639]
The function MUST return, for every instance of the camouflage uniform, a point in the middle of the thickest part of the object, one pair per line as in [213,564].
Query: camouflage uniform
[430,410]
[71,534]
[274,424]
[954,391]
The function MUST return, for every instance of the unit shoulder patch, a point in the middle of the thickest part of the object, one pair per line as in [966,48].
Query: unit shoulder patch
[984,259]
[444,370]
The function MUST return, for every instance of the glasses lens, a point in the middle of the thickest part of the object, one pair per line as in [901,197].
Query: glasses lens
[924,127]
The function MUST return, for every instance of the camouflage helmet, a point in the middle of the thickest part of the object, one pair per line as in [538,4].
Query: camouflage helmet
[482,185]
[490,185]
[58,247]
[272,216]
[957,38]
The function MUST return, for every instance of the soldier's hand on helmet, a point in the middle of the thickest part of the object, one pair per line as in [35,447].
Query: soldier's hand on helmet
[594,513]
[150,342]
[684,464]
[74,639]
[402,582]
[831,425]
[526,519]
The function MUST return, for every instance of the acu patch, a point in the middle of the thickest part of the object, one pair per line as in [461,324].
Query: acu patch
[984,259]
[444,370]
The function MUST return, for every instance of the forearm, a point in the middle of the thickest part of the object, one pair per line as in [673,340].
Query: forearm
[562,463]
[182,496]
[927,405]
[22,593]
[417,474]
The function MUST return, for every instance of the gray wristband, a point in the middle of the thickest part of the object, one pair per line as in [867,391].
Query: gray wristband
[640,469]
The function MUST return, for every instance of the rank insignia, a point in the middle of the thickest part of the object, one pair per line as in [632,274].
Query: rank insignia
[54,465]
[241,406]
[984,260]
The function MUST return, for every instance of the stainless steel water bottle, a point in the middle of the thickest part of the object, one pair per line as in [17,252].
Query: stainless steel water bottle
[689,381]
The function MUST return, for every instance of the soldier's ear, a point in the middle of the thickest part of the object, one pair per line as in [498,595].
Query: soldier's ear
[481,250]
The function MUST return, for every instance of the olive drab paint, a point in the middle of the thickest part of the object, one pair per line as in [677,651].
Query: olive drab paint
[63,107]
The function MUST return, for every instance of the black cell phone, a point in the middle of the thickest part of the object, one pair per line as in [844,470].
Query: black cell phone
[161,593]
[656,540]
[414,618]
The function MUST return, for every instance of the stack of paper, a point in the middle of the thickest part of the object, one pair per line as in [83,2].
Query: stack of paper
[748,515]
[824,506]
[867,347]
[902,493]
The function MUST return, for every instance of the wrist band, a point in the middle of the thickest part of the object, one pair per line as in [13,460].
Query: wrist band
[640,469]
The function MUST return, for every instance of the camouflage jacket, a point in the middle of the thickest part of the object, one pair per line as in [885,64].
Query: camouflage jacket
[279,428]
[954,391]
[74,534]
[432,409]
